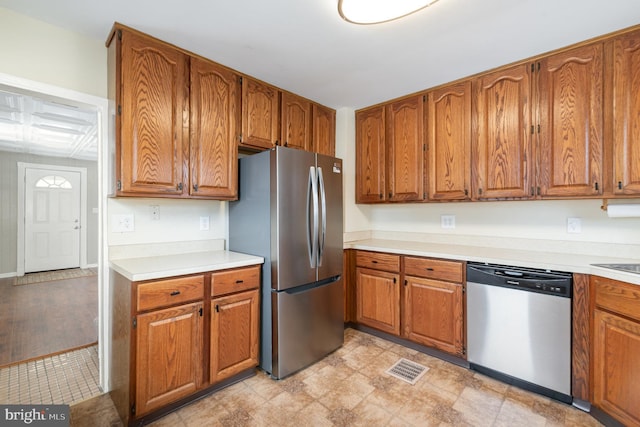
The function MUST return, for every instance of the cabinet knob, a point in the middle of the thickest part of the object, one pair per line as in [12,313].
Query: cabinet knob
[619,185]
[596,186]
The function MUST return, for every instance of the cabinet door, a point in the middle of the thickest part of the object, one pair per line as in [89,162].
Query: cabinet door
[234,334]
[501,143]
[405,149]
[378,300]
[626,120]
[295,121]
[153,102]
[370,155]
[449,142]
[570,93]
[259,114]
[616,367]
[324,130]
[168,356]
[214,130]
[433,314]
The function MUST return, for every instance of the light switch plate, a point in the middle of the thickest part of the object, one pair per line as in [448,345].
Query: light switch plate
[447,221]
[204,223]
[574,225]
[122,223]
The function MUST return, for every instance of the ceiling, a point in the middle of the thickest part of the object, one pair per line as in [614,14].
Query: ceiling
[305,47]
[36,124]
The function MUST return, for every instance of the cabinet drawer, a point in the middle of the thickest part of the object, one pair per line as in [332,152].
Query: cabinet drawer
[236,280]
[378,261]
[451,271]
[163,293]
[618,297]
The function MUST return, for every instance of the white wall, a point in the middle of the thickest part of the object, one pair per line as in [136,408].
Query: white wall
[37,51]
[509,219]
[179,220]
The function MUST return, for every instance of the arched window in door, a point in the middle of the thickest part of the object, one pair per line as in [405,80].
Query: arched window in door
[53,181]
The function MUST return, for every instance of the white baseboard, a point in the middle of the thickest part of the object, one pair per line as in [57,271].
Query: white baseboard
[5,275]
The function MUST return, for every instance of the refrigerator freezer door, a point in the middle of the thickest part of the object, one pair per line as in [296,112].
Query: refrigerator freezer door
[331,239]
[308,325]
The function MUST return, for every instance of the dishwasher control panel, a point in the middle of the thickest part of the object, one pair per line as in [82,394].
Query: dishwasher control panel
[526,279]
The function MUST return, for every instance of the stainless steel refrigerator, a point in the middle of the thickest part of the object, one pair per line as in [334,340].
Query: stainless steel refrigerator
[290,212]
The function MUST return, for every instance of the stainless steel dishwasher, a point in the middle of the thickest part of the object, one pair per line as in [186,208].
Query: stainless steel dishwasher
[519,327]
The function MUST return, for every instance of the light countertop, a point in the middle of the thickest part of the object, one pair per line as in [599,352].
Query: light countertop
[574,263]
[163,266]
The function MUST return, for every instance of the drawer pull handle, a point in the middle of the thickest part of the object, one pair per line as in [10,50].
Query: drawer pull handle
[374,262]
[239,281]
[174,293]
[429,269]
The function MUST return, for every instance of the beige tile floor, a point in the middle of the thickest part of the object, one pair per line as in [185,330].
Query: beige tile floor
[350,388]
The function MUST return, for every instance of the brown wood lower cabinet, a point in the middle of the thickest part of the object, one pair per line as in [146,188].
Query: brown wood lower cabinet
[378,299]
[616,349]
[169,346]
[433,313]
[234,334]
[169,356]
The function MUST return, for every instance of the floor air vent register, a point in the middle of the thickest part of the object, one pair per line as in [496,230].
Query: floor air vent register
[407,370]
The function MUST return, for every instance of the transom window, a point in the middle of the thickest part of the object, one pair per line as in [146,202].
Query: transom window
[53,181]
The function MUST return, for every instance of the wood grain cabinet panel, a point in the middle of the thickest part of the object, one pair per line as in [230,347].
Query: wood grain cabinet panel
[502,147]
[405,149]
[626,116]
[370,155]
[378,300]
[214,130]
[449,142]
[295,121]
[168,356]
[571,123]
[152,97]
[234,334]
[324,130]
[260,116]
[617,367]
[433,313]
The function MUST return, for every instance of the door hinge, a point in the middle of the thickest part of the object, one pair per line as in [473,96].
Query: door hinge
[424,147]
[119,185]
[240,79]
[424,98]
[200,311]
[533,129]
[464,350]
[424,195]
[119,110]
[533,67]
[133,409]
[464,289]
[135,322]
[119,34]
[217,308]
[395,280]
[466,192]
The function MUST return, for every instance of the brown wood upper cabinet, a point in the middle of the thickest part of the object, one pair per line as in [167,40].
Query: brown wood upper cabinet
[295,121]
[390,152]
[448,126]
[503,162]
[626,119]
[324,130]
[570,89]
[176,120]
[260,119]
[370,155]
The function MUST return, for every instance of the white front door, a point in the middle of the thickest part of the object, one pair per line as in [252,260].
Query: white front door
[52,219]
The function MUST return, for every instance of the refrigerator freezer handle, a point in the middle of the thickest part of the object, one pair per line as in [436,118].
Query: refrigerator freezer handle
[323,204]
[312,209]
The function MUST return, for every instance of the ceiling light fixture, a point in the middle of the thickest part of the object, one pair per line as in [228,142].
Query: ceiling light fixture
[378,11]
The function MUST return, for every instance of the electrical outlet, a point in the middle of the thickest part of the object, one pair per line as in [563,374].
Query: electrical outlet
[204,223]
[122,223]
[155,212]
[574,225]
[447,221]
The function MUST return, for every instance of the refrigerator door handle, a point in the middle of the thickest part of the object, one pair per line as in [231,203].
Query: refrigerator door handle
[323,205]
[312,210]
